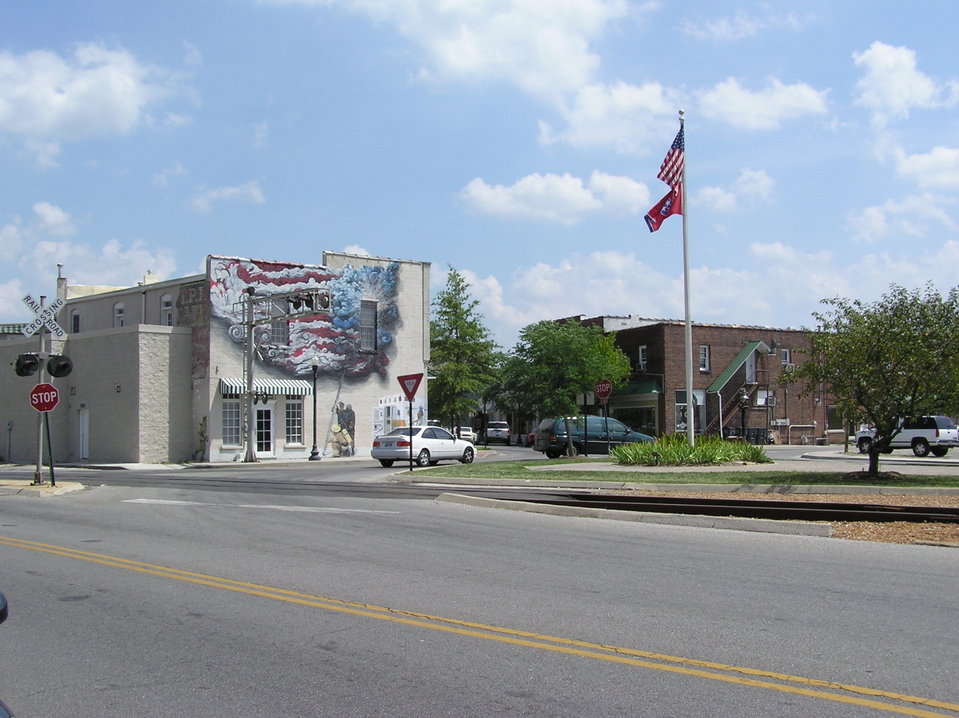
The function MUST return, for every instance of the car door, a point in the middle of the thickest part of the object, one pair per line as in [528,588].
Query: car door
[440,443]
[618,432]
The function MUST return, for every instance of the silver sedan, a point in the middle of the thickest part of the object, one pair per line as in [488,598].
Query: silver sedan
[431,444]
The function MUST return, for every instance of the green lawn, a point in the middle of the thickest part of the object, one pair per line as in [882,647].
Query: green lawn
[519,471]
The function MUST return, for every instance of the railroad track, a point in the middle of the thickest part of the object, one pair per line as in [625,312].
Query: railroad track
[743,508]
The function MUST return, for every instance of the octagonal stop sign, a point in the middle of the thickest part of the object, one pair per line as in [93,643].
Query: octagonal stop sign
[44,397]
[603,389]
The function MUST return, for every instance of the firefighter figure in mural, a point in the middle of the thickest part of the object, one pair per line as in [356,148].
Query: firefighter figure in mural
[343,430]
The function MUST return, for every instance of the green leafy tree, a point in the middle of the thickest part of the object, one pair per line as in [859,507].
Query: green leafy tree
[883,362]
[462,354]
[554,361]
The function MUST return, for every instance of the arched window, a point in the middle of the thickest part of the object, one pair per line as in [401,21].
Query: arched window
[118,315]
[166,310]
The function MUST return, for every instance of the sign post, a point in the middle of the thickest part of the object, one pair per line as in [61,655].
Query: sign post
[410,383]
[45,318]
[603,389]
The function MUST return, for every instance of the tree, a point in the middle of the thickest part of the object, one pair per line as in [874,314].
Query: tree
[886,361]
[462,355]
[554,361]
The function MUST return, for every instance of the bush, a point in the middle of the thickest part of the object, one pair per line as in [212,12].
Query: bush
[674,450]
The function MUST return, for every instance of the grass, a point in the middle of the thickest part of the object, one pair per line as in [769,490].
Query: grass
[674,450]
[519,471]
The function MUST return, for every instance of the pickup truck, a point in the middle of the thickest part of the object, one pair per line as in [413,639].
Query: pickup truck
[923,434]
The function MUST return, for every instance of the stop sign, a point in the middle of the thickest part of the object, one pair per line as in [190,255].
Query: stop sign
[603,389]
[44,397]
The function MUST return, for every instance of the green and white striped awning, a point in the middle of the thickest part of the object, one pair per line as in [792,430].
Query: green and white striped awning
[272,387]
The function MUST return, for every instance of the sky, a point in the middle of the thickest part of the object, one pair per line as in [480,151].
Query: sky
[517,141]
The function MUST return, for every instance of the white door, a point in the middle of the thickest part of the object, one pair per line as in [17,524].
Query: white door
[84,424]
[264,431]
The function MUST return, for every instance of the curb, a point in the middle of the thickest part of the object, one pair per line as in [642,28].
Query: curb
[794,528]
[28,488]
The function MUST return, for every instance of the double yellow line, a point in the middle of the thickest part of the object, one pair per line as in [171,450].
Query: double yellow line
[784,683]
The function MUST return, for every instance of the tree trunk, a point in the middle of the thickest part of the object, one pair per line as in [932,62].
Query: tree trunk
[873,469]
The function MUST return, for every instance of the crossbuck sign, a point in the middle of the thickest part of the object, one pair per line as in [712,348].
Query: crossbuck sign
[45,317]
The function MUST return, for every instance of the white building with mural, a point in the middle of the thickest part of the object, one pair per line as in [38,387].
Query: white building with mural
[164,371]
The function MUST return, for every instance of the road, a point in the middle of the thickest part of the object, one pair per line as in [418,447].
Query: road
[235,594]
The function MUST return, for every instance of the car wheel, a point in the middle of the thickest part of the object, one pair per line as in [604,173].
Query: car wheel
[552,454]
[572,452]
[386,462]
[940,451]
[864,445]
[468,455]
[920,447]
[423,458]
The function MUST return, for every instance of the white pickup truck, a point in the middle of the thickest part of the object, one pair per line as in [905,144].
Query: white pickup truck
[922,434]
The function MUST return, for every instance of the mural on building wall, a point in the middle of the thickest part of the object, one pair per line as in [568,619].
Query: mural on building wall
[332,333]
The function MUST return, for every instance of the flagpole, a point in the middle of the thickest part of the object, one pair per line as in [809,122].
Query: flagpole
[690,411]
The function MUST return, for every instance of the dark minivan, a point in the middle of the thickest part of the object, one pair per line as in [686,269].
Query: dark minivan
[599,433]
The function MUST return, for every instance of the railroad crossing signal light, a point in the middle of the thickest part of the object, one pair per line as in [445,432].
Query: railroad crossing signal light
[310,300]
[58,366]
[27,364]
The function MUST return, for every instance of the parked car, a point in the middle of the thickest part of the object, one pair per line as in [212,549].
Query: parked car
[923,434]
[466,433]
[496,431]
[431,444]
[595,434]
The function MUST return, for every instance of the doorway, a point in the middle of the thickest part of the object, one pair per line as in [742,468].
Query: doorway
[83,423]
[264,431]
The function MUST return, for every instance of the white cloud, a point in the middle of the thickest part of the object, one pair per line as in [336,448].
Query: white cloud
[111,264]
[767,109]
[357,250]
[892,84]
[557,198]
[46,99]
[249,192]
[621,116]
[164,176]
[743,25]
[53,220]
[909,217]
[541,47]
[764,292]
[751,185]
[938,168]
[261,133]
[11,238]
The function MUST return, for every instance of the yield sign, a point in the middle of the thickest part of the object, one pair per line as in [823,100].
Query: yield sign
[410,383]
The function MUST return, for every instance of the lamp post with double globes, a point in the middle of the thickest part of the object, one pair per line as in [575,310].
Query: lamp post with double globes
[314,365]
[743,405]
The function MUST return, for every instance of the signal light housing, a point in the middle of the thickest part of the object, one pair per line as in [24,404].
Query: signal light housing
[26,364]
[58,366]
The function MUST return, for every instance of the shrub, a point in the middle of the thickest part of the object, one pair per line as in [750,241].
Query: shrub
[674,450]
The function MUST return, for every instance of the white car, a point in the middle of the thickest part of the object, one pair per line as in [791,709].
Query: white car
[497,431]
[431,444]
[467,433]
[924,435]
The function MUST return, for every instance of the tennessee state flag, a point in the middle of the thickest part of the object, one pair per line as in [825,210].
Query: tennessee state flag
[672,203]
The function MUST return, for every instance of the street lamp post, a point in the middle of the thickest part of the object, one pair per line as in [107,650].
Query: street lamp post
[314,365]
[743,405]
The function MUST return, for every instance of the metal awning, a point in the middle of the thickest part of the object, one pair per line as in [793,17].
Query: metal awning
[735,364]
[272,387]
[647,385]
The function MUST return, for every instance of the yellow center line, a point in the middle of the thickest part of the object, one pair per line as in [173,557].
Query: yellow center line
[615,654]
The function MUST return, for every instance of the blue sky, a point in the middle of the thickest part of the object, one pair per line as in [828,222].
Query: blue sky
[517,141]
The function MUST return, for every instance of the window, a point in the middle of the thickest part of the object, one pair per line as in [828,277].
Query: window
[75,321]
[698,411]
[294,420]
[118,315]
[704,358]
[367,326]
[785,356]
[166,310]
[280,333]
[231,422]
[643,357]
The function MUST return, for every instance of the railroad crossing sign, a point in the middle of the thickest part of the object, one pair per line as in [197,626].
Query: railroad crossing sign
[45,317]
[44,397]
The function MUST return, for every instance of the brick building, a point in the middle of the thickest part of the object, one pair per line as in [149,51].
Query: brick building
[737,381]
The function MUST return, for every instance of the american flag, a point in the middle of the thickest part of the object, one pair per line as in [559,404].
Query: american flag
[671,171]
